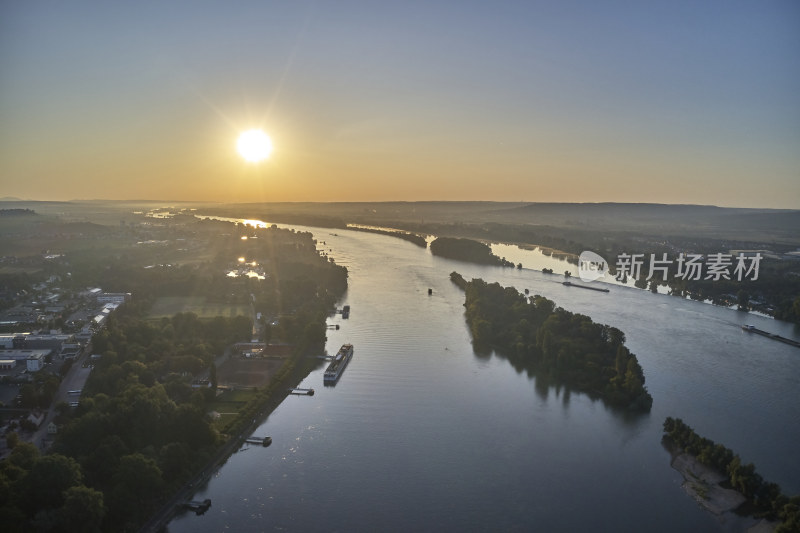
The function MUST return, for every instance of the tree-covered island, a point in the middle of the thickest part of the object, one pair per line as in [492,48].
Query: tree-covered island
[762,499]
[419,240]
[467,250]
[544,339]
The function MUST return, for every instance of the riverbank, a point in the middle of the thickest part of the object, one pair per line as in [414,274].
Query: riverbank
[303,365]
[703,484]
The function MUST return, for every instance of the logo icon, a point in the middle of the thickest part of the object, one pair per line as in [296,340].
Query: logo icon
[591,266]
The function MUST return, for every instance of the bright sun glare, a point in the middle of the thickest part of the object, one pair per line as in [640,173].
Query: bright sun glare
[254,145]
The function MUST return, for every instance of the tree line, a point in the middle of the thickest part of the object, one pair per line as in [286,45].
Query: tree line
[547,340]
[764,498]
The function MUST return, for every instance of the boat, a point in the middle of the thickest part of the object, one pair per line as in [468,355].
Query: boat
[752,329]
[598,289]
[340,361]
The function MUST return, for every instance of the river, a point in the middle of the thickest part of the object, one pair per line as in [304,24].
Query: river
[422,434]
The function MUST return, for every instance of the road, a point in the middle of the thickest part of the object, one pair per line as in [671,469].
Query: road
[74,380]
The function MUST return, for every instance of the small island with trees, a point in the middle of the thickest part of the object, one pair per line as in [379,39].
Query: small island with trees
[414,238]
[467,250]
[727,484]
[544,339]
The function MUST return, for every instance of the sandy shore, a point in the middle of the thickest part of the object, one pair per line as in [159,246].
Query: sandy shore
[703,484]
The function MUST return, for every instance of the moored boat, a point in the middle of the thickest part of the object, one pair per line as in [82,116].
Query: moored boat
[340,361]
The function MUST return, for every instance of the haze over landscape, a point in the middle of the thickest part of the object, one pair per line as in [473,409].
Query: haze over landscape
[399,266]
[677,102]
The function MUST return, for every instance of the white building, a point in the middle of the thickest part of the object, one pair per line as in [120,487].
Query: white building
[35,362]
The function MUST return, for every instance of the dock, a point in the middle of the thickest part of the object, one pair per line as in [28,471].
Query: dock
[264,441]
[752,329]
[197,506]
[302,392]
[598,289]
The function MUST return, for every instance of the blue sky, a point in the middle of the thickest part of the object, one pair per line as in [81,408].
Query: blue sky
[677,102]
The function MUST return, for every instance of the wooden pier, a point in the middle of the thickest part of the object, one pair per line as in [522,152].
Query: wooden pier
[302,392]
[199,507]
[264,441]
[752,329]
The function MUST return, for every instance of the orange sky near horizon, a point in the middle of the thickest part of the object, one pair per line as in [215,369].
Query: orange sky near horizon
[669,103]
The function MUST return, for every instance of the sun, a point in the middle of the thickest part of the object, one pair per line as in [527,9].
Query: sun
[254,145]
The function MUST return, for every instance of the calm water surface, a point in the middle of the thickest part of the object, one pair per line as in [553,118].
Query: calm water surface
[422,434]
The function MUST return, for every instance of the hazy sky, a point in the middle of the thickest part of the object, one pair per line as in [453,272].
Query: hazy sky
[587,101]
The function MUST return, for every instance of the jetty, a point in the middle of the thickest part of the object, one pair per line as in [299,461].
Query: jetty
[197,506]
[264,441]
[302,392]
[752,329]
[598,289]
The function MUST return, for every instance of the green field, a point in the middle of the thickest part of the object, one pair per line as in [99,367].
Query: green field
[229,403]
[167,306]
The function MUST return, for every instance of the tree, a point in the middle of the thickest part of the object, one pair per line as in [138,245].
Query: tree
[83,510]
[29,396]
[24,455]
[212,377]
[12,439]
[137,487]
[50,476]
[743,299]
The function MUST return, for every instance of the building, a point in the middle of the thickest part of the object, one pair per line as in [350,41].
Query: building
[36,419]
[70,351]
[13,341]
[35,362]
[7,364]
[113,297]
[23,355]
[46,342]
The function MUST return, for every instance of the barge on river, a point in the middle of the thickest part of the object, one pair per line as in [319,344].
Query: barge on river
[752,329]
[340,361]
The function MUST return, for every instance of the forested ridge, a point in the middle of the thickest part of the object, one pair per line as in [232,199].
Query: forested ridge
[547,340]
[764,499]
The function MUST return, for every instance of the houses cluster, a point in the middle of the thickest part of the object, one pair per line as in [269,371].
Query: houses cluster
[54,327]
